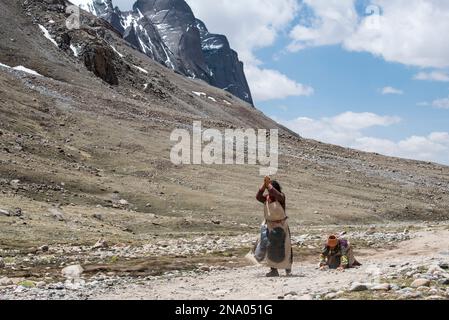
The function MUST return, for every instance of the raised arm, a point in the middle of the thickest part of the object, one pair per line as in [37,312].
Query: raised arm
[260,196]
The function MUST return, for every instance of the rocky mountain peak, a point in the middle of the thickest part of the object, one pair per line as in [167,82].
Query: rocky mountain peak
[168,32]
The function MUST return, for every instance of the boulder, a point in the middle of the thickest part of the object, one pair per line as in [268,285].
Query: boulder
[72,272]
[100,60]
[420,283]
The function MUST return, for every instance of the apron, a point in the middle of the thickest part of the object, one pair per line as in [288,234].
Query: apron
[279,250]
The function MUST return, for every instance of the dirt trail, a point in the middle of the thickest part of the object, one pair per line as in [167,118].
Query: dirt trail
[250,283]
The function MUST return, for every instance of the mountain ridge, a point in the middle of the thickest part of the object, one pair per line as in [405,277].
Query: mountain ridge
[168,32]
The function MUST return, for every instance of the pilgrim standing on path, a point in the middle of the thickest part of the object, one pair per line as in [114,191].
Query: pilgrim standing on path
[274,244]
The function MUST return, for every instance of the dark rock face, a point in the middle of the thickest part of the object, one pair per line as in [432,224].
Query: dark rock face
[225,66]
[99,60]
[175,22]
[168,32]
[142,34]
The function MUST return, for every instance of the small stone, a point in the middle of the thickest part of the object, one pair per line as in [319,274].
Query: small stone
[56,214]
[40,284]
[435,297]
[420,283]
[73,271]
[423,289]
[435,270]
[205,268]
[2,263]
[5,281]
[18,212]
[415,295]
[123,202]
[56,286]
[356,287]
[100,244]
[98,216]
[44,248]
[444,265]
[331,296]
[394,287]
[444,282]
[382,287]
[5,212]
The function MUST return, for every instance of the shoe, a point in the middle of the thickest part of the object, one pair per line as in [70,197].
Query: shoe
[273,273]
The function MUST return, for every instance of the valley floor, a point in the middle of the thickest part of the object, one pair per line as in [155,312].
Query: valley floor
[394,267]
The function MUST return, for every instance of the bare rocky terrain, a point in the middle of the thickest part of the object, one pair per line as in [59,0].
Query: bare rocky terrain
[86,179]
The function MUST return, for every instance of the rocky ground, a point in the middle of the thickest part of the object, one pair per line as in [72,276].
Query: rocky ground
[411,263]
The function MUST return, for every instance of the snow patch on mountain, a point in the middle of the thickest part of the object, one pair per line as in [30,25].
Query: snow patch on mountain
[47,35]
[115,50]
[75,50]
[24,69]
[141,69]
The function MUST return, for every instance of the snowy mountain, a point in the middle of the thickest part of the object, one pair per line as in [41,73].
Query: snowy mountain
[168,32]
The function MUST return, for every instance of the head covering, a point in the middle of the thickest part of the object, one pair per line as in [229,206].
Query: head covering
[332,241]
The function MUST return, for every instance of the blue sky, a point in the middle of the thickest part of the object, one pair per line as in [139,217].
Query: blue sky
[372,75]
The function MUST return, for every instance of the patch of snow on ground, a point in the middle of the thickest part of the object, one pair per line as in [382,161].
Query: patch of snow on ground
[47,35]
[75,50]
[141,69]
[4,66]
[145,86]
[24,69]
[199,94]
[227,102]
[211,98]
[115,50]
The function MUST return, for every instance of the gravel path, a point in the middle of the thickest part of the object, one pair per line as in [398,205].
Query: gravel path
[426,249]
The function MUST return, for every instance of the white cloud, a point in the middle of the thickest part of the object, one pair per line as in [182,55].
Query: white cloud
[432,76]
[411,32]
[347,129]
[250,25]
[391,90]
[438,103]
[332,23]
[341,129]
[441,103]
[271,84]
